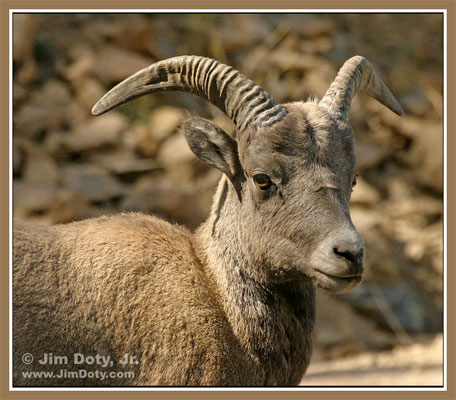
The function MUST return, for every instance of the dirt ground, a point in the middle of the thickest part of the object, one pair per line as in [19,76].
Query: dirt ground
[419,364]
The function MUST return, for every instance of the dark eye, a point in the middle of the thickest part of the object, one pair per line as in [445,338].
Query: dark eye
[355,180]
[262,181]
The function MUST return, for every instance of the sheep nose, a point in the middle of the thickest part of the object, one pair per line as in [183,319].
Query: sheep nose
[351,249]
[354,256]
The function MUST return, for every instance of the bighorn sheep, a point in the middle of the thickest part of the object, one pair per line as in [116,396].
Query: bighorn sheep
[233,303]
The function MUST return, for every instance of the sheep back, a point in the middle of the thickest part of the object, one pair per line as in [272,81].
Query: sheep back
[128,284]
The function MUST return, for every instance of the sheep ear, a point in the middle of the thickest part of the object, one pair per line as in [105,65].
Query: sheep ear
[214,146]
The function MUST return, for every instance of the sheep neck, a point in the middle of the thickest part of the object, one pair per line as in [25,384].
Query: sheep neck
[273,322]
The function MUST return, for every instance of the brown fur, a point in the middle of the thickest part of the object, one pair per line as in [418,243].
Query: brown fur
[135,285]
[130,288]
[232,304]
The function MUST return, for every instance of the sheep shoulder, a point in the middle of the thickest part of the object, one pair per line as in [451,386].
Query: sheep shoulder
[128,284]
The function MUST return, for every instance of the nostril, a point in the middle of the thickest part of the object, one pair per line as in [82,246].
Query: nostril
[345,254]
[354,257]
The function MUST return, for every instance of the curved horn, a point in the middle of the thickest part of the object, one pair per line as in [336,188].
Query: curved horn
[357,74]
[242,100]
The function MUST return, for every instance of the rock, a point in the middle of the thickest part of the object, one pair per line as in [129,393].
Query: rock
[318,79]
[114,64]
[137,33]
[416,101]
[54,145]
[293,60]
[54,93]
[406,202]
[25,27]
[69,206]
[31,120]
[415,365]
[317,45]
[28,74]
[82,66]
[138,139]
[316,28]
[242,31]
[45,111]
[435,96]
[98,133]
[339,331]
[205,186]
[364,193]
[298,40]
[164,121]
[104,209]
[76,116]
[394,306]
[166,197]
[383,260]
[369,155]
[413,217]
[425,153]
[39,167]
[18,158]
[32,198]
[93,183]
[88,92]
[175,155]
[20,94]
[365,220]
[124,163]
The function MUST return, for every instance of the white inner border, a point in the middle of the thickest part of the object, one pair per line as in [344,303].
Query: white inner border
[234,11]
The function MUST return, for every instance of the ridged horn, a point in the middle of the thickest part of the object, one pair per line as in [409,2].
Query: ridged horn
[357,74]
[244,102]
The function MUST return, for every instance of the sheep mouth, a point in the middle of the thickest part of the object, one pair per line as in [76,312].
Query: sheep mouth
[337,284]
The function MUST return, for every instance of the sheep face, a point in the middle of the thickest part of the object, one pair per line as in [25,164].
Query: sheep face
[293,181]
[291,167]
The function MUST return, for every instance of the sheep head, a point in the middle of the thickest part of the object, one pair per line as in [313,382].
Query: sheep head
[291,167]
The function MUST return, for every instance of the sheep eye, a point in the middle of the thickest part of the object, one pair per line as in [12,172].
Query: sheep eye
[355,180]
[262,181]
